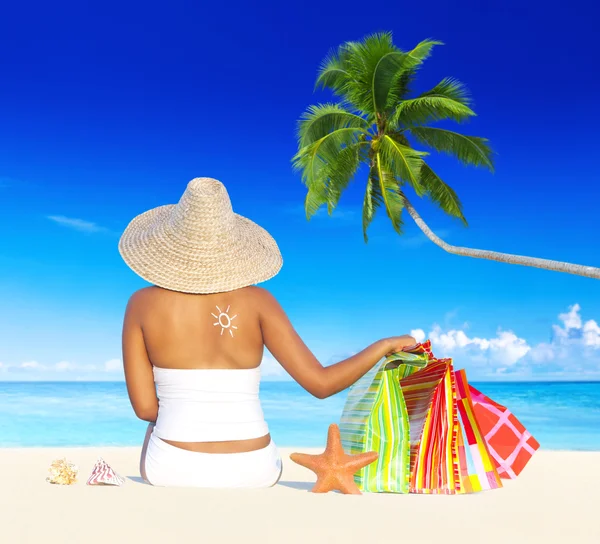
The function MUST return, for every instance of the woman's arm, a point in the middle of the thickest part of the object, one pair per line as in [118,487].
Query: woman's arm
[138,368]
[287,347]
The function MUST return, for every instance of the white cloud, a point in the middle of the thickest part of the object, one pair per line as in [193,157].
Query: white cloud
[574,349]
[418,334]
[591,334]
[31,365]
[571,319]
[64,366]
[542,353]
[575,331]
[507,349]
[454,338]
[113,365]
[76,224]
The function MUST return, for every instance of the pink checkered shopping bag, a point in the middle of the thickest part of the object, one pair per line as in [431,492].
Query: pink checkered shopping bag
[510,444]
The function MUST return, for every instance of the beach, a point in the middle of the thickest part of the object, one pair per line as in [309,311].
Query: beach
[553,500]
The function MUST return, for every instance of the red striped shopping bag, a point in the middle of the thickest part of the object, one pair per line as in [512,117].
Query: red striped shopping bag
[419,390]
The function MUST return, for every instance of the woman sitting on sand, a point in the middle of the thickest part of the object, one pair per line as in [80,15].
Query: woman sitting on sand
[193,343]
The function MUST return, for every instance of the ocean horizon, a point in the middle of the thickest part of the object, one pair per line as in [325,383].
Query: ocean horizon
[560,415]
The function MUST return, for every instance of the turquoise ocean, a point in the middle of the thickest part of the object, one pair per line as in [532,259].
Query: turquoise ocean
[561,416]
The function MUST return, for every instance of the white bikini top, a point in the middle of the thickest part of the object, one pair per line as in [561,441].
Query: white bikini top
[208,405]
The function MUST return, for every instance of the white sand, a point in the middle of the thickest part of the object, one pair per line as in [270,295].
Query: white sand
[554,500]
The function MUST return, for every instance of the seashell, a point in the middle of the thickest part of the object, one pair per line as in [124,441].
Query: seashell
[62,472]
[103,474]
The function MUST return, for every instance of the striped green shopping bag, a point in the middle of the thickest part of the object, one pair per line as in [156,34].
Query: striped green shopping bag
[375,419]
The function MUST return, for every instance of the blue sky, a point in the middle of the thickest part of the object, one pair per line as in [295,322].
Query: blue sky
[110,109]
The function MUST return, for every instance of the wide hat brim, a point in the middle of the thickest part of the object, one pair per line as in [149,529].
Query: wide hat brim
[164,257]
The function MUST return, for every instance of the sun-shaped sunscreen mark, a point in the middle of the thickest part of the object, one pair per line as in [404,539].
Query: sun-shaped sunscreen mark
[224,320]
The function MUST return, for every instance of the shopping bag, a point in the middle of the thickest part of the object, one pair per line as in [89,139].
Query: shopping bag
[436,465]
[448,451]
[419,390]
[511,446]
[375,418]
[429,396]
[481,473]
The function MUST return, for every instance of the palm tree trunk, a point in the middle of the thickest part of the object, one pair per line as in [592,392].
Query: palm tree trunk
[588,271]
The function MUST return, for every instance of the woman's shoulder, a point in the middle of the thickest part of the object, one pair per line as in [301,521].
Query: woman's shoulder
[143,296]
[145,292]
[255,300]
[259,295]
[255,291]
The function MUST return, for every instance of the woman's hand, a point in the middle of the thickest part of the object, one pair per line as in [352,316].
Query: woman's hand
[400,343]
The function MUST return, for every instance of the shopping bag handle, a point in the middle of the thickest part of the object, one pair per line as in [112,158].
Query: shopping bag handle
[418,360]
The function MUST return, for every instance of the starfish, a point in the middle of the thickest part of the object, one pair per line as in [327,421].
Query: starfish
[335,469]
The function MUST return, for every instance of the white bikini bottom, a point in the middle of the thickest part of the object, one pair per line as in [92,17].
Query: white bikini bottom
[168,466]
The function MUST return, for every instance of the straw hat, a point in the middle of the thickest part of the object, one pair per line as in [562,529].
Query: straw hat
[199,245]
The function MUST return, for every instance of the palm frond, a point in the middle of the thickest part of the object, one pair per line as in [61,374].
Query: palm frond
[412,60]
[421,52]
[332,72]
[341,172]
[361,63]
[321,119]
[313,158]
[328,165]
[447,100]
[453,89]
[314,199]
[390,193]
[392,72]
[386,73]
[440,193]
[401,89]
[372,200]
[403,162]
[467,149]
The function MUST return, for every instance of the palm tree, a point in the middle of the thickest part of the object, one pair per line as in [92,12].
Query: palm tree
[376,124]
